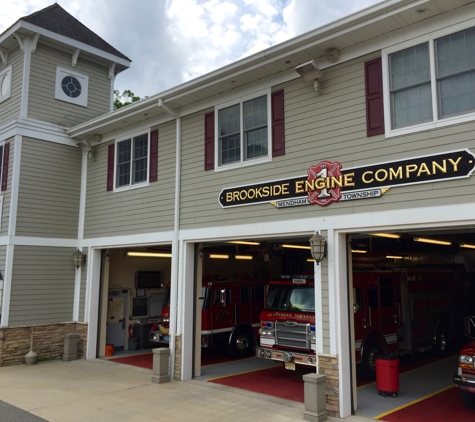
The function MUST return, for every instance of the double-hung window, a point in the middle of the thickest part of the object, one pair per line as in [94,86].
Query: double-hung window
[243,132]
[132,161]
[431,83]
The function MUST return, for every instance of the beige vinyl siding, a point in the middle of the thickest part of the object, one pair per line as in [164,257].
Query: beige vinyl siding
[327,127]
[42,288]
[7,195]
[42,104]
[48,197]
[140,210]
[10,108]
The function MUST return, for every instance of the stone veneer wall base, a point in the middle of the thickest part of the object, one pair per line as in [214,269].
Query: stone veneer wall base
[328,365]
[48,341]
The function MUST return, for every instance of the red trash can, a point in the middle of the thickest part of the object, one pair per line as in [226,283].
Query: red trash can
[387,374]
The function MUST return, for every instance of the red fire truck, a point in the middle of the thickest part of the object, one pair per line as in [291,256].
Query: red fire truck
[465,377]
[229,315]
[394,310]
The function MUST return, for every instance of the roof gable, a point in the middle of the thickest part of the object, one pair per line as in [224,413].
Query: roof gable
[55,19]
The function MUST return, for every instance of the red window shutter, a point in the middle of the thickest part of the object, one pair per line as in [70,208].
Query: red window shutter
[6,159]
[278,133]
[153,156]
[209,141]
[110,167]
[374,97]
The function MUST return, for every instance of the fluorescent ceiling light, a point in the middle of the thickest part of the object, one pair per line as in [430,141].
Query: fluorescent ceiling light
[218,256]
[310,260]
[245,257]
[296,247]
[467,245]
[149,254]
[358,251]
[244,242]
[433,241]
[388,235]
[394,257]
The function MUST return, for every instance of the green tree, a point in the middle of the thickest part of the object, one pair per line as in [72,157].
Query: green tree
[124,99]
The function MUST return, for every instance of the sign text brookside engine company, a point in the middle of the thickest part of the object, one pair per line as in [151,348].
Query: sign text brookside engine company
[327,182]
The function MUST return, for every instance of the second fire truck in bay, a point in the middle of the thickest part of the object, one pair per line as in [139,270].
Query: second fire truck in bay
[394,310]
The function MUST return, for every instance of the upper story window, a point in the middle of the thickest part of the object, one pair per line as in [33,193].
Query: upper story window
[132,161]
[71,86]
[5,83]
[431,83]
[243,132]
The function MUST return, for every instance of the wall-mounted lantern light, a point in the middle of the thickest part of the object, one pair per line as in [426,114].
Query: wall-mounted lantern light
[318,247]
[79,258]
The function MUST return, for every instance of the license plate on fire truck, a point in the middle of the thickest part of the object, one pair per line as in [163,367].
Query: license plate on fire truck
[290,365]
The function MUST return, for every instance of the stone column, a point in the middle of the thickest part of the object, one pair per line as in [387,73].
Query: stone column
[70,347]
[161,365]
[315,397]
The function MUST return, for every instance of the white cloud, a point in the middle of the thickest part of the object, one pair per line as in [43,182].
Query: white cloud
[171,41]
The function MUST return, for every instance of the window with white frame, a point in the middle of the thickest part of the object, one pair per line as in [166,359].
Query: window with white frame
[132,161]
[432,82]
[71,86]
[243,131]
[5,83]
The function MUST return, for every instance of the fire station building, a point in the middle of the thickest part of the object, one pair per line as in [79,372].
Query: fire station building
[360,131]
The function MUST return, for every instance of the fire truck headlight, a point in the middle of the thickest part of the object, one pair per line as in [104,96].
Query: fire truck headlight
[466,361]
[313,334]
[264,332]
[166,319]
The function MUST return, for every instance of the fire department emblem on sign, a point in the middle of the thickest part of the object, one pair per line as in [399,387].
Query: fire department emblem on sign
[324,193]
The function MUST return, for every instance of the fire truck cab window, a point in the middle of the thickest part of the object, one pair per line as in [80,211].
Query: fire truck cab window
[291,297]
[386,288]
[244,293]
[302,299]
[373,298]
[222,297]
[206,297]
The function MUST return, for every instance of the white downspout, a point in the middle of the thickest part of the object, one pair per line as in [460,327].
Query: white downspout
[175,241]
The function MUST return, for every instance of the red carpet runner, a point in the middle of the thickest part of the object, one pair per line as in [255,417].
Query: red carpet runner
[277,382]
[442,407]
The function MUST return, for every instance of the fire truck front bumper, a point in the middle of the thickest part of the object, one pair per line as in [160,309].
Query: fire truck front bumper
[465,382]
[306,359]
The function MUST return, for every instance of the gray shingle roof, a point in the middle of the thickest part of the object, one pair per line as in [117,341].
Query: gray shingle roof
[55,19]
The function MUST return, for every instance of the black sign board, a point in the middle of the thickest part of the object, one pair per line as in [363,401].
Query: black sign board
[327,182]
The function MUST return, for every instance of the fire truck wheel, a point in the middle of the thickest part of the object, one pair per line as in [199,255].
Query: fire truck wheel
[241,344]
[442,342]
[468,399]
[367,366]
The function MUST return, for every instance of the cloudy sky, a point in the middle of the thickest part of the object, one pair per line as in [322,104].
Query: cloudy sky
[173,41]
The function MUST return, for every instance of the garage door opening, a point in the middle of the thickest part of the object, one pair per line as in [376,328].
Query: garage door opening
[410,295]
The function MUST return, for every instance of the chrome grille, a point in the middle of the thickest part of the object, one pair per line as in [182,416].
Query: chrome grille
[292,335]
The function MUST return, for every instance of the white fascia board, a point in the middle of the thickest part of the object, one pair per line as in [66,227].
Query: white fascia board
[76,44]
[455,215]
[141,239]
[9,32]
[42,241]
[37,130]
